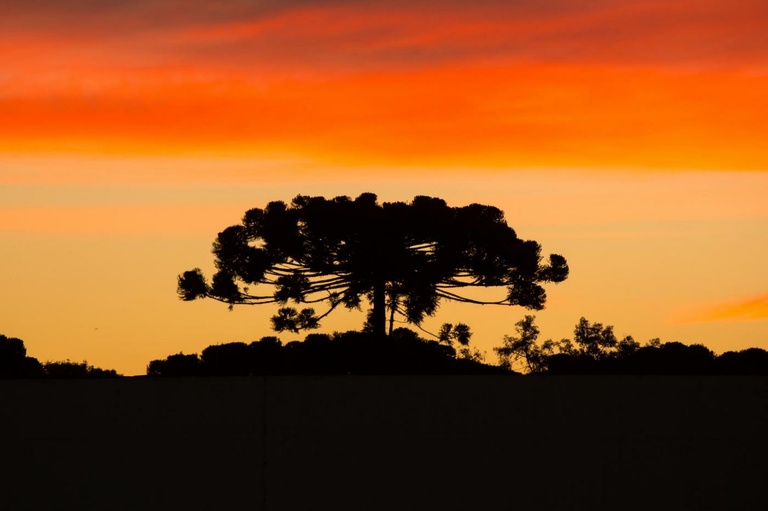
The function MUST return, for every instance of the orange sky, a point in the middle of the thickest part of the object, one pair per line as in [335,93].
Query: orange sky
[618,83]
[616,125]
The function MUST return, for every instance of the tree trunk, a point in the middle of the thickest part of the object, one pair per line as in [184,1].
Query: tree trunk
[379,316]
[392,318]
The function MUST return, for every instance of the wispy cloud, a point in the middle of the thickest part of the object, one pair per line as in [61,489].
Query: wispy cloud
[746,309]
[646,83]
[176,220]
[468,115]
[338,34]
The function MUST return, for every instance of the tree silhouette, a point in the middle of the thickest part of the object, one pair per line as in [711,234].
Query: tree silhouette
[596,350]
[594,340]
[523,347]
[358,353]
[14,362]
[176,365]
[748,361]
[403,258]
[69,369]
[669,358]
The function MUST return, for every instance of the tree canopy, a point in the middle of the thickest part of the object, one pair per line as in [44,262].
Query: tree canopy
[596,350]
[403,258]
[347,353]
[14,363]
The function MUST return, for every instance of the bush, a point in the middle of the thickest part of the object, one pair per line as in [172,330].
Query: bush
[404,352]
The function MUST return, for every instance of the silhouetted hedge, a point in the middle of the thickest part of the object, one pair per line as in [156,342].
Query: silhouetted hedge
[14,363]
[69,369]
[672,358]
[753,361]
[595,349]
[359,353]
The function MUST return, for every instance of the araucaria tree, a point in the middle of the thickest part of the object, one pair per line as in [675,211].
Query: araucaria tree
[402,258]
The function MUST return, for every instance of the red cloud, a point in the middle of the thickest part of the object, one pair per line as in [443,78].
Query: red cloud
[673,85]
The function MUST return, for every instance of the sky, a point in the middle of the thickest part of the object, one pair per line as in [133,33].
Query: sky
[628,136]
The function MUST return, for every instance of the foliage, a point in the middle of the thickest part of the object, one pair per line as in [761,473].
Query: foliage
[403,352]
[595,350]
[69,369]
[402,258]
[594,340]
[175,365]
[14,363]
[461,335]
[523,347]
[748,361]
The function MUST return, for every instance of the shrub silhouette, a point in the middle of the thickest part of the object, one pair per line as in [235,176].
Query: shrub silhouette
[176,365]
[597,351]
[403,352]
[69,369]
[233,359]
[748,361]
[14,363]
[668,358]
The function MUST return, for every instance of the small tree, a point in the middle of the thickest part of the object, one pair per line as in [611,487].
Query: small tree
[627,346]
[403,258]
[594,340]
[523,347]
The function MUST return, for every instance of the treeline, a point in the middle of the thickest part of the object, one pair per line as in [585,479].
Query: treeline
[359,353]
[14,363]
[595,349]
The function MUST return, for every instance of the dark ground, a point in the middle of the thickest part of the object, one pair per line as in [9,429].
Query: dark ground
[398,442]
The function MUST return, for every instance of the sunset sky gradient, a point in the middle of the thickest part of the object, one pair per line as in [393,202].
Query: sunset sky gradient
[629,136]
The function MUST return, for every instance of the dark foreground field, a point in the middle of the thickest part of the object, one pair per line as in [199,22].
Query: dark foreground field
[389,443]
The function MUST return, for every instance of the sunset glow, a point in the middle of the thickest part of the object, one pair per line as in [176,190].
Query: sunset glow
[753,308]
[630,136]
